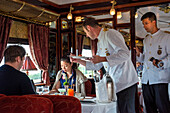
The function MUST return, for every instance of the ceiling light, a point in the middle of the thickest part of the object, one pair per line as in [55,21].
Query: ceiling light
[69,16]
[112,10]
[119,15]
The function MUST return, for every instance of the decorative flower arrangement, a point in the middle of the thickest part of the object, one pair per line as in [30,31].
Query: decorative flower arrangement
[64,77]
[65,83]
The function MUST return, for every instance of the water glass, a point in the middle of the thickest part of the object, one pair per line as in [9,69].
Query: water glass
[39,89]
[46,89]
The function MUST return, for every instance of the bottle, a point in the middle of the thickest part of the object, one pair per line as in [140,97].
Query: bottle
[159,63]
[110,88]
[96,76]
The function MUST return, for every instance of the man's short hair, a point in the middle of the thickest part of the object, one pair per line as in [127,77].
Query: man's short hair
[149,15]
[91,22]
[12,52]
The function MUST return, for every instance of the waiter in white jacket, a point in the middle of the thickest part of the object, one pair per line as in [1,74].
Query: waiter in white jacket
[113,54]
[156,71]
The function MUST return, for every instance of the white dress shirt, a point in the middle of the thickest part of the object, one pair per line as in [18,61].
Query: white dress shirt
[111,45]
[156,45]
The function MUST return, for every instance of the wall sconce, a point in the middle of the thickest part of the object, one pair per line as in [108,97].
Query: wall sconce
[136,41]
[69,16]
[112,10]
[136,15]
[79,19]
[119,15]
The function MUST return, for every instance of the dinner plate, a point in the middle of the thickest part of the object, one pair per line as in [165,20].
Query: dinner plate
[88,97]
[87,102]
[81,57]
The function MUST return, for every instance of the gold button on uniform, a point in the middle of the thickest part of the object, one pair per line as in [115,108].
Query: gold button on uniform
[149,52]
[150,44]
[147,67]
[151,36]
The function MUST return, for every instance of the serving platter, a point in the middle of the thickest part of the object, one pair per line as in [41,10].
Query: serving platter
[81,57]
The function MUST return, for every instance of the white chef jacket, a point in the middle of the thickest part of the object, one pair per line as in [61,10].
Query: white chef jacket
[156,45]
[111,45]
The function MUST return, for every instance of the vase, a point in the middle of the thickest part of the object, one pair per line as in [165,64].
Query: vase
[66,88]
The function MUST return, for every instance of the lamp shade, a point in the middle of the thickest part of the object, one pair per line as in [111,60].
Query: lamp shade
[28,64]
[112,11]
[69,16]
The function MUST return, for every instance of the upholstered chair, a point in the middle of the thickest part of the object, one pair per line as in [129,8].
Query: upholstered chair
[2,95]
[25,104]
[63,104]
[88,87]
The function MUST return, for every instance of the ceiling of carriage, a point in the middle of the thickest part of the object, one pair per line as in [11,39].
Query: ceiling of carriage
[98,9]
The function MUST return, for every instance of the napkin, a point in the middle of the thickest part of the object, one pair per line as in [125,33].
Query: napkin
[101,91]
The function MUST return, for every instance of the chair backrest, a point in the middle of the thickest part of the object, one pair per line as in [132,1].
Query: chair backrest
[88,87]
[25,104]
[2,95]
[63,104]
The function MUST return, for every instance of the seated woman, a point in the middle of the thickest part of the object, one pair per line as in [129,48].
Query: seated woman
[74,77]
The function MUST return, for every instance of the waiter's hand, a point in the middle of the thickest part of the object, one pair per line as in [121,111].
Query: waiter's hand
[98,59]
[137,51]
[74,60]
[71,59]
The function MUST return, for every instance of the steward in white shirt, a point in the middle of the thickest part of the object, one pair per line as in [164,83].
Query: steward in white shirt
[113,54]
[156,71]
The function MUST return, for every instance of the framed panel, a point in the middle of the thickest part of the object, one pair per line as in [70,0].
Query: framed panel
[66,24]
[124,17]
[53,24]
[52,52]
[66,43]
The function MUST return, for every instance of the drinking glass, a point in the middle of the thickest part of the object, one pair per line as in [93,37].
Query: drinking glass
[70,92]
[39,89]
[46,89]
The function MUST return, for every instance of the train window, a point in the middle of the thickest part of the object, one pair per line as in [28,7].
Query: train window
[34,75]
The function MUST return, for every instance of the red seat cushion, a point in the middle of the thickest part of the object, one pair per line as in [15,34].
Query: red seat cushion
[63,104]
[2,95]
[25,104]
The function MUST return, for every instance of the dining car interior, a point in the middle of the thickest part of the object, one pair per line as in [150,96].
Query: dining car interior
[51,31]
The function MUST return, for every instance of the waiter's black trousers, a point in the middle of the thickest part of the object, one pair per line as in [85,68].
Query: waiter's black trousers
[126,99]
[156,98]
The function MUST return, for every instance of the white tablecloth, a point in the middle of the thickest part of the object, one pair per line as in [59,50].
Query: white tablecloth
[99,107]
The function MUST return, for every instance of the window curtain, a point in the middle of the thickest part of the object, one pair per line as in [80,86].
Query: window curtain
[5,25]
[80,44]
[38,37]
[94,46]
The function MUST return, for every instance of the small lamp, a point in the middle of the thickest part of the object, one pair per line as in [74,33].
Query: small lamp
[69,16]
[119,15]
[136,15]
[112,10]
[28,65]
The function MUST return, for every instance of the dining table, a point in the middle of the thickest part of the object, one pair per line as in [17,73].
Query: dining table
[92,106]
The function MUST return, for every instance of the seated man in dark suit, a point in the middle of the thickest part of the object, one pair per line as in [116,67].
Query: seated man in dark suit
[13,81]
